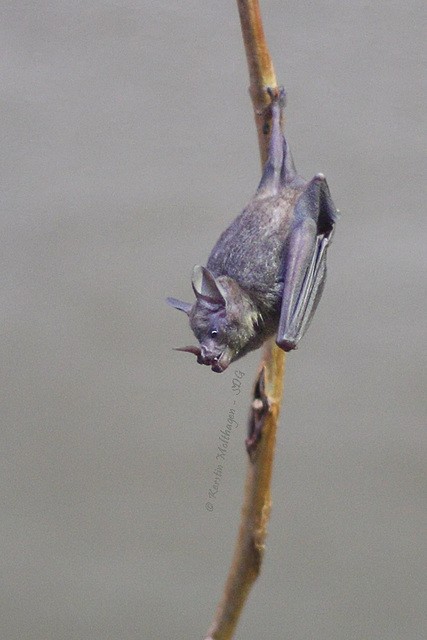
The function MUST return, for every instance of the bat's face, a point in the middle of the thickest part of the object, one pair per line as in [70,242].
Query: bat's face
[209,325]
[219,320]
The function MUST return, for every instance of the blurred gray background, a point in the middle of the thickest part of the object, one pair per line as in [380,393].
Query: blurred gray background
[128,146]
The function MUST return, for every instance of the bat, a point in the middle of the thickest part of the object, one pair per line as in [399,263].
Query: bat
[266,273]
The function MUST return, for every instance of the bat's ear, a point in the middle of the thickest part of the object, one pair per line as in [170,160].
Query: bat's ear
[206,287]
[182,306]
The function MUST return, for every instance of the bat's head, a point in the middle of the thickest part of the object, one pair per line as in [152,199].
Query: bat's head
[222,319]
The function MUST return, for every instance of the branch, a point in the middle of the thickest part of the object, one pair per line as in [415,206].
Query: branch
[265,407]
[261,70]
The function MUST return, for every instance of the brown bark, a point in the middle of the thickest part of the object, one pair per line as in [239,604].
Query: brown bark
[265,407]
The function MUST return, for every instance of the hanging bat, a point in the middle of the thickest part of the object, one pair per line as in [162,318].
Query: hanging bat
[266,273]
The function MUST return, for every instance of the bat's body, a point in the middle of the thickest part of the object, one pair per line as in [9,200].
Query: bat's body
[266,272]
[252,251]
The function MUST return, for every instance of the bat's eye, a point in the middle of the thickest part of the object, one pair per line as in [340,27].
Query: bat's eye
[214,333]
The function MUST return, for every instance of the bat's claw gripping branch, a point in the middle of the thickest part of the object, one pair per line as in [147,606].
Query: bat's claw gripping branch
[277,94]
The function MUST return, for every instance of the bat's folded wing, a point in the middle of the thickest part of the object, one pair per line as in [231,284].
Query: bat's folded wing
[305,261]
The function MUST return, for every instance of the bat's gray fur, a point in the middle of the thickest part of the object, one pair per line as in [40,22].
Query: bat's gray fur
[265,275]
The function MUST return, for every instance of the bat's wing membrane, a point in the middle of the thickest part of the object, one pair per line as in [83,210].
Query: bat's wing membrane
[305,262]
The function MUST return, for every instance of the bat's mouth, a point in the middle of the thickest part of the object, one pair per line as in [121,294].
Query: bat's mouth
[217,365]
[218,362]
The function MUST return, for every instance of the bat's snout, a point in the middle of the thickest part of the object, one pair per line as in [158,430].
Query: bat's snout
[211,359]
[218,361]
[221,361]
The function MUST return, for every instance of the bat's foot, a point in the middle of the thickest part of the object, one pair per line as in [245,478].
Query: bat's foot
[277,94]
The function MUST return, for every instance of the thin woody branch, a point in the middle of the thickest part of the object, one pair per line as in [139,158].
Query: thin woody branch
[265,407]
[260,66]
[249,551]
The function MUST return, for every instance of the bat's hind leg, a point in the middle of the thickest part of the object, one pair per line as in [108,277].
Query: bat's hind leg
[279,170]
